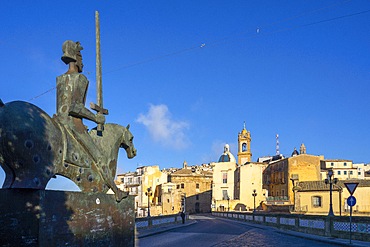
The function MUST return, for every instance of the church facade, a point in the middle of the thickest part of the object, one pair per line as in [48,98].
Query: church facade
[237,185]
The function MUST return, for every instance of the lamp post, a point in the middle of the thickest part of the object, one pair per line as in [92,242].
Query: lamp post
[295,178]
[228,203]
[330,180]
[148,194]
[183,203]
[254,194]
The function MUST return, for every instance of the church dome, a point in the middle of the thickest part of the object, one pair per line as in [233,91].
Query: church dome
[227,156]
[295,152]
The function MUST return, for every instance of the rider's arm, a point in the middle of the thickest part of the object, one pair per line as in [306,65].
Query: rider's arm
[80,111]
[77,108]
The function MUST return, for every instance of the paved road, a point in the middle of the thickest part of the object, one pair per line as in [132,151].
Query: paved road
[209,231]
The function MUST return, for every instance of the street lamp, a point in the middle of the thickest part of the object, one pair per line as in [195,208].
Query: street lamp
[183,203]
[329,180]
[254,194]
[228,203]
[148,194]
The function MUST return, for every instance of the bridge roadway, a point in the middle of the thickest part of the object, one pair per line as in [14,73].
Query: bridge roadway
[206,230]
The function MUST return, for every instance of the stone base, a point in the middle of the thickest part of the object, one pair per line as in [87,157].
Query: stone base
[58,218]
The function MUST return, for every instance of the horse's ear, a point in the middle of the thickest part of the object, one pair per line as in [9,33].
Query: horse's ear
[128,126]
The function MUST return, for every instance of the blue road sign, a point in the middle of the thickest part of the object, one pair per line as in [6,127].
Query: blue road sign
[351,187]
[351,201]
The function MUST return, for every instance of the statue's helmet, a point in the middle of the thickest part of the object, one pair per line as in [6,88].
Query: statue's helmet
[70,50]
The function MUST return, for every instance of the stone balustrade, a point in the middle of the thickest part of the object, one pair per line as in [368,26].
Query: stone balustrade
[336,226]
[158,221]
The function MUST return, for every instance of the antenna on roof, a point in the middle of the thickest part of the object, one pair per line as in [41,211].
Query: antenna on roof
[277,145]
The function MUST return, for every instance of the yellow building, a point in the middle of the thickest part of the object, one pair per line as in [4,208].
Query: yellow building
[144,183]
[195,185]
[248,187]
[314,197]
[362,170]
[279,176]
[168,200]
[164,192]
[343,169]
[238,186]
[244,146]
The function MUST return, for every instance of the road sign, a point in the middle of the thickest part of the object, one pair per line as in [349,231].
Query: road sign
[351,201]
[351,187]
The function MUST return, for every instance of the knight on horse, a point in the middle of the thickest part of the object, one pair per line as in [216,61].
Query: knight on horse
[35,147]
[71,98]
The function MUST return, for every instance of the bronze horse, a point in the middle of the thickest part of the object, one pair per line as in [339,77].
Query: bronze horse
[33,147]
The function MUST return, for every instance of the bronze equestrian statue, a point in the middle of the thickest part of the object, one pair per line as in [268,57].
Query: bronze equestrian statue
[35,147]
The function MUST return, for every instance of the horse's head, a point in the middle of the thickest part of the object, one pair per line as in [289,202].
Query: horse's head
[128,144]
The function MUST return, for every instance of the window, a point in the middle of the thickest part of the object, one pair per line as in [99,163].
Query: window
[182,186]
[224,195]
[197,197]
[224,178]
[338,172]
[345,163]
[332,164]
[197,186]
[244,148]
[359,173]
[344,172]
[282,192]
[350,172]
[316,201]
[178,186]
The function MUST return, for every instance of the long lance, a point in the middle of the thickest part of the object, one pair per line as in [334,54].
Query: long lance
[99,85]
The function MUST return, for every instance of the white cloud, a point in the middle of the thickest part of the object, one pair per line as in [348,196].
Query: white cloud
[163,129]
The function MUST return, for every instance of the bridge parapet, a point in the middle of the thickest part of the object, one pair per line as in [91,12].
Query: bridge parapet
[156,221]
[336,226]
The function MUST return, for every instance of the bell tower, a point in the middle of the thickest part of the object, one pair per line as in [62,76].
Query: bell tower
[244,146]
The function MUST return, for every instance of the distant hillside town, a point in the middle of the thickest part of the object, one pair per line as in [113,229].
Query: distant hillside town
[301,184]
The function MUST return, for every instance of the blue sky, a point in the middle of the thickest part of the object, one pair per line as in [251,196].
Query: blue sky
[187,74]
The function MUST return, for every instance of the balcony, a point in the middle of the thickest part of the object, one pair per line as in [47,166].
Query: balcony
[277,200]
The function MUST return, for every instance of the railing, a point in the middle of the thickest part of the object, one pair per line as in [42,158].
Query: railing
[277,198]
[158,220]
[336,226]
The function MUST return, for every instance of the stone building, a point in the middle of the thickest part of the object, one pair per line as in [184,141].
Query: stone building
[170,190]
[343,169]
[249,186]
[238,186]
[194,185]
[130,182]
[279,177]
[314,197]
[244,146]
[362,170]
[144,184]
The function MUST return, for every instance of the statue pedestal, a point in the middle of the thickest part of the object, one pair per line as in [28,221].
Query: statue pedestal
[58,218]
